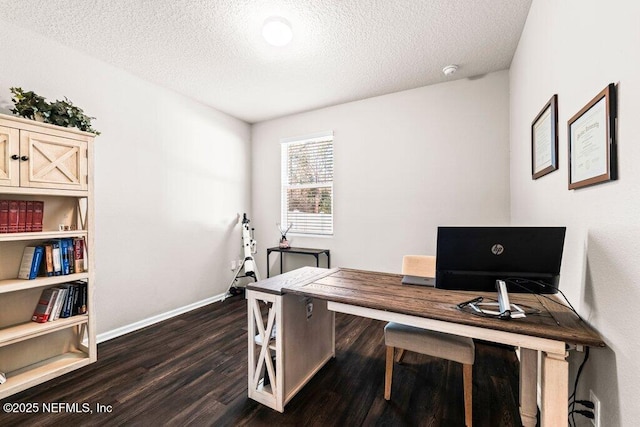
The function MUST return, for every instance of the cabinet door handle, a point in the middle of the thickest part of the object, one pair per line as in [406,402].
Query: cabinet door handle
[15,157]
[24,158]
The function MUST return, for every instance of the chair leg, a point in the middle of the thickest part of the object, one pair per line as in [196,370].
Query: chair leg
[388,373]
[400,356]
[467,379]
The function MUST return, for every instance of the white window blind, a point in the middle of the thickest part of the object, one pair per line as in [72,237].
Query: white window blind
[307,184]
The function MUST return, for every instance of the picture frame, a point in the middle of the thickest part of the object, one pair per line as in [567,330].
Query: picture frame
[592,141]
[544,140]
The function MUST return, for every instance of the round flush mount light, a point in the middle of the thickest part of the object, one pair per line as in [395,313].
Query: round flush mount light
[450,69]
[277,31]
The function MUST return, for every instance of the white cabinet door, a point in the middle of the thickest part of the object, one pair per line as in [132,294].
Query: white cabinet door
[9,157]
[49,161]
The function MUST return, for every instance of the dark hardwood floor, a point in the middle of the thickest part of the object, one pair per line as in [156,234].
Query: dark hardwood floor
[192,370]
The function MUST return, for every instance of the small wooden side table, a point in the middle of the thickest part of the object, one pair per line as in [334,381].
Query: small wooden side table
[301,251]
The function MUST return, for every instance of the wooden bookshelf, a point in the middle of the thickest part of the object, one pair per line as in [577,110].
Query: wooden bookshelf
[42,162]
[45,370]
[28,330]
[12,285]
[40,235]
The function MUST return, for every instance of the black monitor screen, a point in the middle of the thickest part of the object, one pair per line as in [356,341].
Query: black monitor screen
[473,258]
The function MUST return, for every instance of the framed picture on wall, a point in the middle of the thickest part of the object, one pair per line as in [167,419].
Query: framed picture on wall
[592,141]
[544,140]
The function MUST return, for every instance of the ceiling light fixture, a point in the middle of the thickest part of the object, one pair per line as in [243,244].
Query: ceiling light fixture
[277,31]
[450,69]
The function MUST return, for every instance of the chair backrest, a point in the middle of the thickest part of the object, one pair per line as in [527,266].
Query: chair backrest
[419,265]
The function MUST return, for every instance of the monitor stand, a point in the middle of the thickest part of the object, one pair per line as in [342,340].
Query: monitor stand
[503,299]
[507,310]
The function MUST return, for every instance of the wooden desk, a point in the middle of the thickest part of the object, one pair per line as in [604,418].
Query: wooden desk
[301,345]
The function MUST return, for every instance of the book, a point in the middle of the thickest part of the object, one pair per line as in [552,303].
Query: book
[76,298]
[38,214]
[64,255]
[65,302]
[81,303]
[65,292]
[45,305]
[30,264]
[48,260]
[28,254]
[78,254]
[67,308]
[28,226]
[13,216]
[4,216]
[57,306]
[22,216]
[57,258]
[71,256]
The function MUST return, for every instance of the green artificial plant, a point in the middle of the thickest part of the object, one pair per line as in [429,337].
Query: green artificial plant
[61,113]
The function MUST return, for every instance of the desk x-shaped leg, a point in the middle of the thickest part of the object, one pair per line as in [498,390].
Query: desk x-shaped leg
[265,348]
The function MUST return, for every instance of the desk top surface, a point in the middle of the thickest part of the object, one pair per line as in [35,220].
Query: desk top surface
[294,250]
[384,291]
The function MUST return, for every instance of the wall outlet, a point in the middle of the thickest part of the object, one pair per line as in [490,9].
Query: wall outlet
[596,409]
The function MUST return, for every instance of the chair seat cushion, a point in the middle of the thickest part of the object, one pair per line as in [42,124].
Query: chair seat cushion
[432,343]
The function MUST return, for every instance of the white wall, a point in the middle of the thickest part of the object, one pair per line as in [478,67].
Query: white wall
[404,164]
[575,48]
[171,176]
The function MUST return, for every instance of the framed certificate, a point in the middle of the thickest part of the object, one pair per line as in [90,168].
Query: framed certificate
[592,141]
[544,140]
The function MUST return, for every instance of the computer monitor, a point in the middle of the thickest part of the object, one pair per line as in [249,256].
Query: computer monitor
[472,258]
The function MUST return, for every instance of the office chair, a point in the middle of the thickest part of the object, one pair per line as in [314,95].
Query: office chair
[432,343]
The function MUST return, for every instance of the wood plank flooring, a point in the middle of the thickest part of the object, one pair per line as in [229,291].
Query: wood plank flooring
[192,370]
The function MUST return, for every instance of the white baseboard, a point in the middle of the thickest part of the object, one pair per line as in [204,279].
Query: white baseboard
[114,333]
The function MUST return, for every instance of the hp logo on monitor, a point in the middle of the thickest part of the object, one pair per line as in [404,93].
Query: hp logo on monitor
[497,249]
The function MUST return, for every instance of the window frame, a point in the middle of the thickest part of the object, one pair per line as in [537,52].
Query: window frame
[284,184]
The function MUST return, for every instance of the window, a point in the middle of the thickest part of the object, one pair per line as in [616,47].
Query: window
[307,184]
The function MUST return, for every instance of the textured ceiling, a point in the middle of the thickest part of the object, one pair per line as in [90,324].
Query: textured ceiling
[342,50]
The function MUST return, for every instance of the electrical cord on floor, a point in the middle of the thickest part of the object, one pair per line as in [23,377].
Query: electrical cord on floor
[584,413]
[586,403]
[572,398]
[589,413]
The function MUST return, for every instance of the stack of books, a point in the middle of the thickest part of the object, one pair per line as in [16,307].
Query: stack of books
[58,257]
[66,300]
[21,216]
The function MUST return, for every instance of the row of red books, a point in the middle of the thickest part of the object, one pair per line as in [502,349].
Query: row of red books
[20,216]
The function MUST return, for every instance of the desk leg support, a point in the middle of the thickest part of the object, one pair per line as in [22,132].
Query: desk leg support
[555,390]
[528,386]
[265,378]
[268,253]
[306,342]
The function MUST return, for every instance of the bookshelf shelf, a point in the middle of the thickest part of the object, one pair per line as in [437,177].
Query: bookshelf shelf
[13,285]
[31,375]
[51,168]
[44,192]
[41,235]
[28,330]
